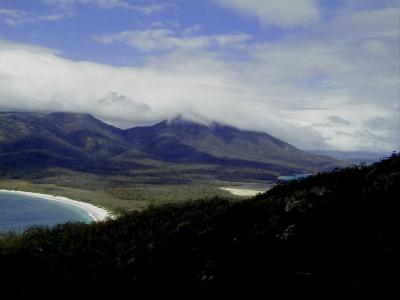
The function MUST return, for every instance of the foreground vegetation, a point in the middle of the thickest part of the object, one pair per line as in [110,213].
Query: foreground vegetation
[332,232]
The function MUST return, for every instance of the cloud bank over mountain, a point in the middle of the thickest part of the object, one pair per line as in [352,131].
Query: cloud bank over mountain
[332,84]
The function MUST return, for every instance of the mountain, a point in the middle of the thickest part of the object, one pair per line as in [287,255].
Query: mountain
[330,233]
[183,141]
[33,144]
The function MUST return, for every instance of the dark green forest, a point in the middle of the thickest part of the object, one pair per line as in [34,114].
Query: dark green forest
[333,232]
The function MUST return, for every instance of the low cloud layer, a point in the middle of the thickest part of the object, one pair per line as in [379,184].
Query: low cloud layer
[338,120]
[330,86]
[203,91]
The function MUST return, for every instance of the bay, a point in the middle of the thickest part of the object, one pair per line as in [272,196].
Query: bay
[19,212]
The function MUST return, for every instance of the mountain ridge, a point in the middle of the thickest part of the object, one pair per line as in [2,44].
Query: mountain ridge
[83,143]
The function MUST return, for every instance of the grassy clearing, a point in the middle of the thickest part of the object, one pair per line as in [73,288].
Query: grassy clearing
[242,192]
[122,199]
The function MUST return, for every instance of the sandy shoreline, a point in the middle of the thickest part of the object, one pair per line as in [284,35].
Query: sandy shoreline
[243,192]
[96,213]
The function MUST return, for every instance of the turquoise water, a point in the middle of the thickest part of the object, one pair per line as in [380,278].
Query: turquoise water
[19,212]
[293,177]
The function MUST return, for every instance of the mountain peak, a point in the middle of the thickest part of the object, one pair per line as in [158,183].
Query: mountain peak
[72,116]
[181,120]
[218,150]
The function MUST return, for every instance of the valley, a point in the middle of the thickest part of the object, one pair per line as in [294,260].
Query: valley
[123,199]
[79,156]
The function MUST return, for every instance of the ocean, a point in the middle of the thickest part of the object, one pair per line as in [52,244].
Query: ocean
[293,177]
[19,212]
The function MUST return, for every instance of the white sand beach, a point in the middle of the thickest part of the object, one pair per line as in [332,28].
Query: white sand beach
[242,192]
[96,213]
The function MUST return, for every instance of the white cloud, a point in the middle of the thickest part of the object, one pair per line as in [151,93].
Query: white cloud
[52,17]
[299,88]
[63,3]
[64,9]
[203,90]
[153,8]
[166,39]
[100,3]
[15,18]
[10,46]
[12,13]
[282,13]
[108,4]
[339,121]
[115,99]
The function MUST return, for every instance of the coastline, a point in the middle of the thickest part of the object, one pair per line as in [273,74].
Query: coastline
[97,214]
[243,192]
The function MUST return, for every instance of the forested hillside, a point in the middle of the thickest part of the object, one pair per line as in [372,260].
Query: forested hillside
[37,146]
[332,232]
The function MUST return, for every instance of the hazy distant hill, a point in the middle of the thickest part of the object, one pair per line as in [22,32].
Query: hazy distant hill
[355,157]
[33,143]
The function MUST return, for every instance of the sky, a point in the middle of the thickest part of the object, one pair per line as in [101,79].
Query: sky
[318,74]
